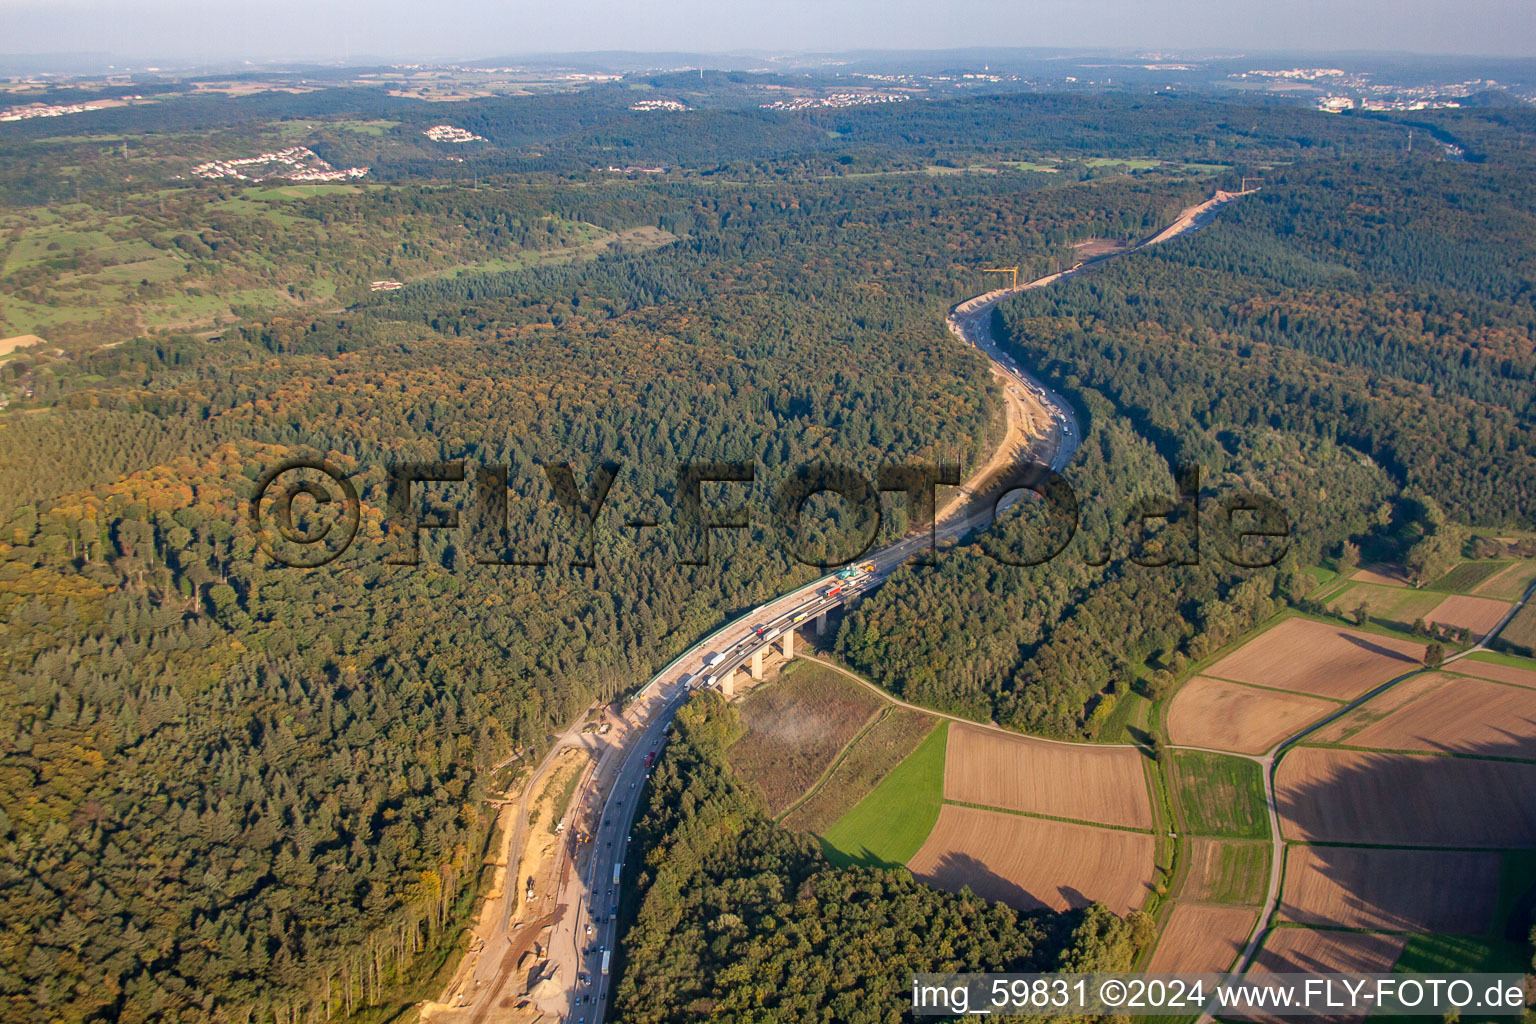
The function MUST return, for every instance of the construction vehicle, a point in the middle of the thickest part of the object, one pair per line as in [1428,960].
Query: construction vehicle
[1013,280]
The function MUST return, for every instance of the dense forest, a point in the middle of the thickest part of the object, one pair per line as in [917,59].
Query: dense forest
[1359,349]
[235,791]
[739,919]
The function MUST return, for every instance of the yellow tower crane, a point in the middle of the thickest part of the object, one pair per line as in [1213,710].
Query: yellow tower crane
[1013,281]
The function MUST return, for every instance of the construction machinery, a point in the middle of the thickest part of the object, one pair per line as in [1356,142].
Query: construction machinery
[1012,272]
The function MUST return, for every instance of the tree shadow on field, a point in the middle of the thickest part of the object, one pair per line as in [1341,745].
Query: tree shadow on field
[1480,810]
[956,871]
[1375,648]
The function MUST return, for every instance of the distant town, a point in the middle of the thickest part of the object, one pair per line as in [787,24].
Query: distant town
[296,163]
[448,133]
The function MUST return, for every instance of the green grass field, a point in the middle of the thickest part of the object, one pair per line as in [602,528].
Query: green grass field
[1389,606]
[1494,953]
[1241,874]
[871,758]
[1219,795]
[890,824]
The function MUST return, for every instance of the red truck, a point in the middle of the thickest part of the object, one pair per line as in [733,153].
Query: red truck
[650,759]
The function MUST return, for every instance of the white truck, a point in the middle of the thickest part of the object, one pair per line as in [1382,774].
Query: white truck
[712,660]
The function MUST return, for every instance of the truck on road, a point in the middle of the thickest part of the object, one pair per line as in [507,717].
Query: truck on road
[713,660]
[607,955]
[617,867]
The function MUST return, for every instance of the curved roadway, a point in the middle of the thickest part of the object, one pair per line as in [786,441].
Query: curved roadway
[584,926]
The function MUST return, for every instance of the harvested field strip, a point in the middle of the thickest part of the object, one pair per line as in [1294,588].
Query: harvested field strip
[1219,795]
[1078,781]
[1043,817]
[868,760]
[1293,950]
[1030,863]
[1464,716]
[1226,871]
[1509,585]
[1386,575]
[1201,939]
[796,727]
[1390,890]
[1215,713]
[1479,614]
[1319,658]
[1520,671]
[891,823]
[1380,706]
[1370,798]
[1336,702]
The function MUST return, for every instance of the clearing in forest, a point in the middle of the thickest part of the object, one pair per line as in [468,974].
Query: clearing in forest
[796,727]
[873,755]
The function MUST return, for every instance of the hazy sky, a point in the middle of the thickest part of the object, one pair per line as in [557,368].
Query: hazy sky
[469,28]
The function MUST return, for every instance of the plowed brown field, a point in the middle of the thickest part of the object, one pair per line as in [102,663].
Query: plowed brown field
[1230,716]
[1380,707]
[1357,796]
[1319,658]
[1304,951]
[1201,939]
[1496,672]
[1030,863]
[1066,780]
[1479,614]
[1465,716]
[1394,890]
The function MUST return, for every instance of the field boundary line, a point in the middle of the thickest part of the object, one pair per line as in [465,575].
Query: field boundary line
[1399,751]
[1048,817]
[1270,689]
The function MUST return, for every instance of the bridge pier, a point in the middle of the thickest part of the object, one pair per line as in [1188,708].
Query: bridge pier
[757,664]
[821,624]
[728,683]
[789,643]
